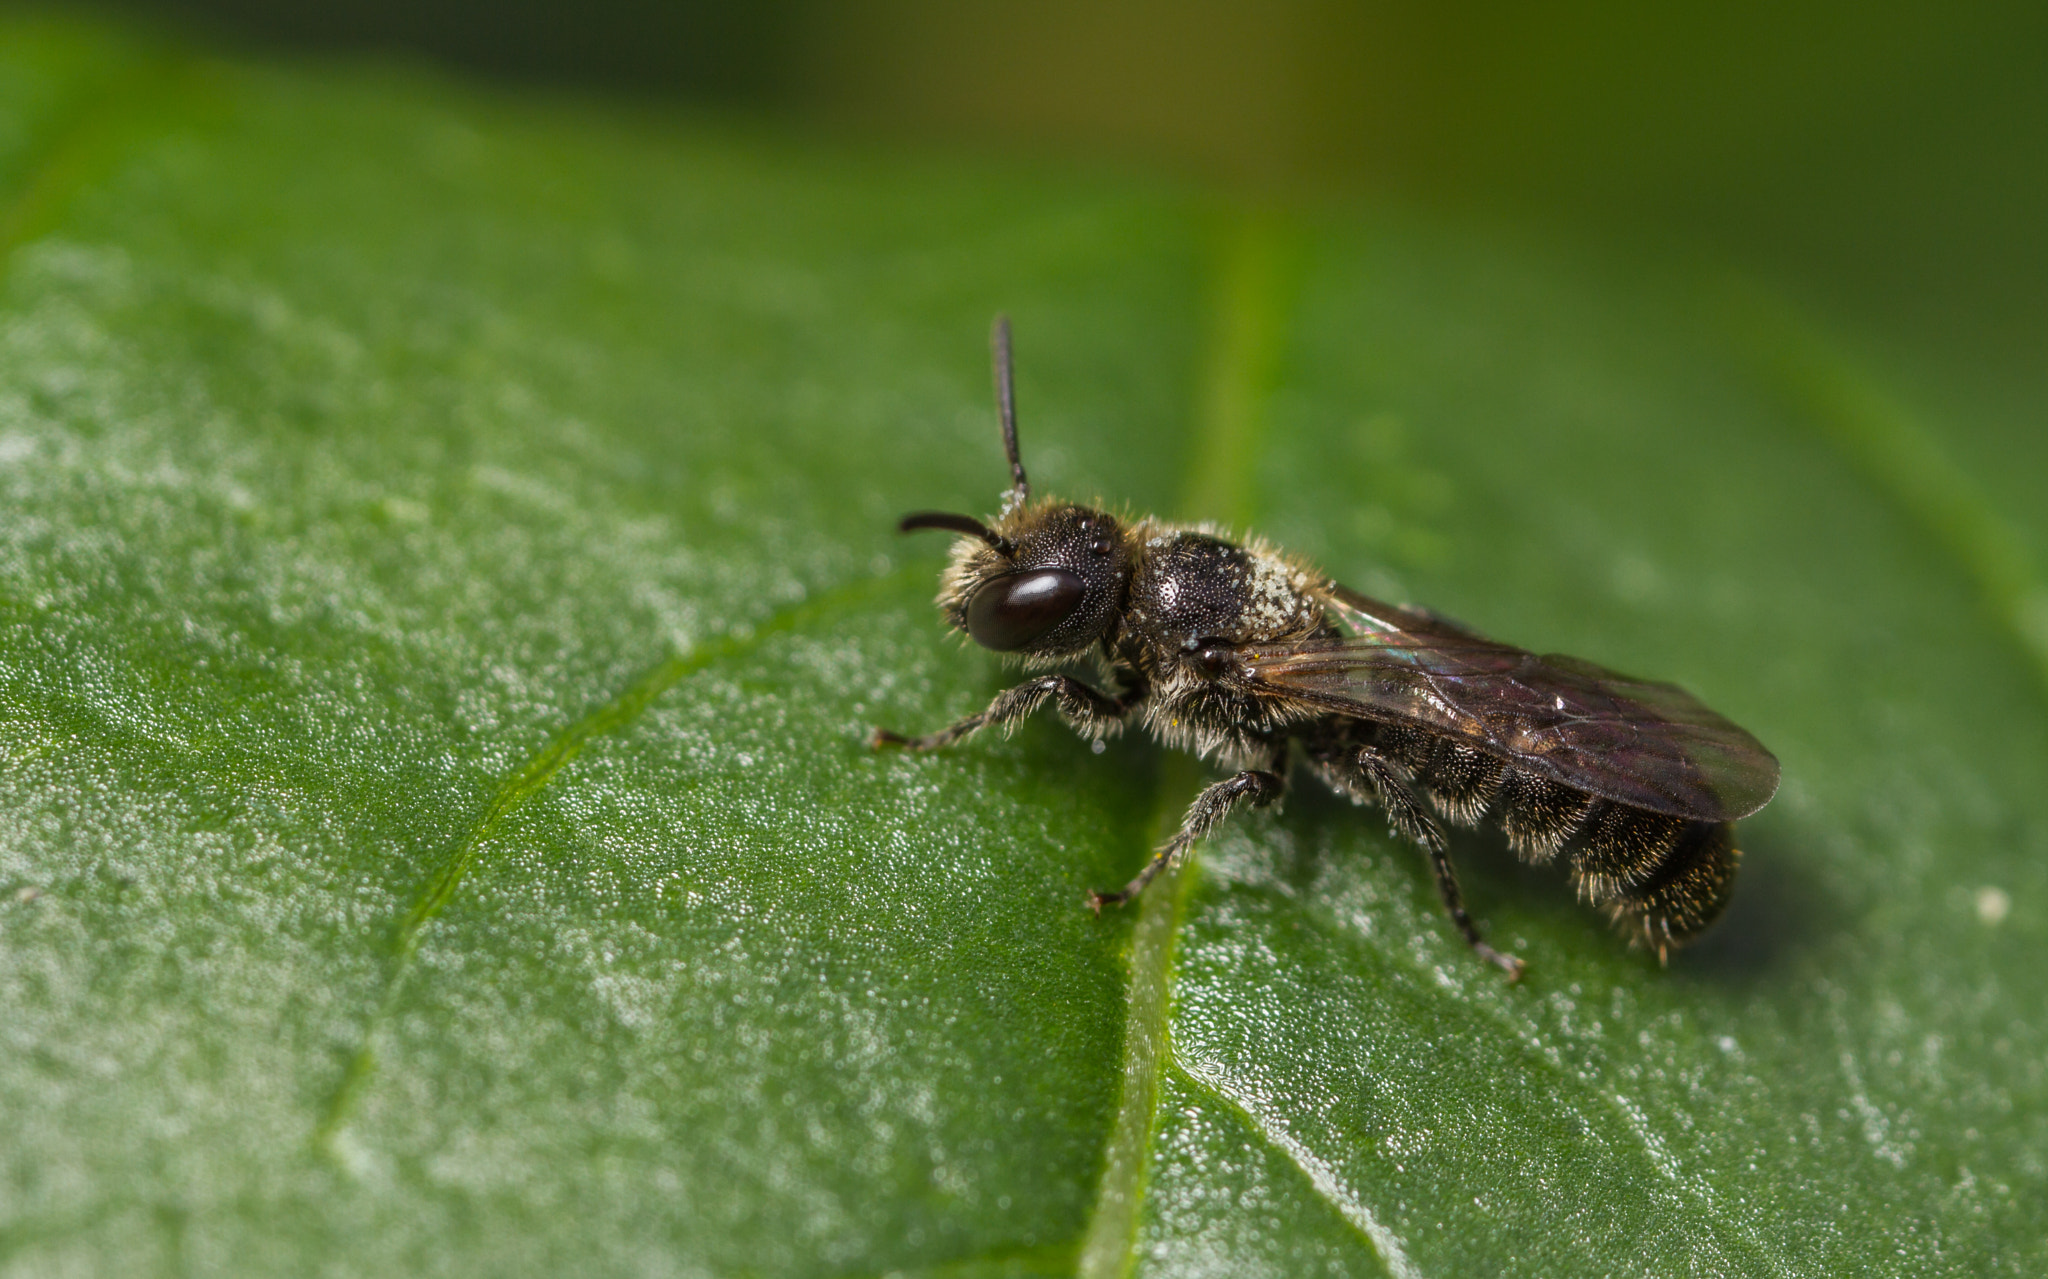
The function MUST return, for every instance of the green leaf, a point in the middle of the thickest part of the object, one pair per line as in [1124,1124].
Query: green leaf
[446,576]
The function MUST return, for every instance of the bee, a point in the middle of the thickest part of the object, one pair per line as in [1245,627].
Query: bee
[1248,656]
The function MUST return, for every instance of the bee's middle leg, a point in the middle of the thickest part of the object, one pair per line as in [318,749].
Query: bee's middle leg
[1408,816]
[1090,713]
[1256,787]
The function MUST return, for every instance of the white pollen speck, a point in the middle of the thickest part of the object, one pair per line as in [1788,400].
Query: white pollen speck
[1098,746]
[1993,905]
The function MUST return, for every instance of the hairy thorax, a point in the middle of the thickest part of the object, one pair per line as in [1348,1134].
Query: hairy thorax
[1193,594]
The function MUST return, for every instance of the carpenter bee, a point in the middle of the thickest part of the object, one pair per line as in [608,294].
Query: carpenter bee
[1248,656]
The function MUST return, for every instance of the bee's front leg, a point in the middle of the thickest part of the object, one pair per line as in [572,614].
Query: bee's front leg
[1090,713]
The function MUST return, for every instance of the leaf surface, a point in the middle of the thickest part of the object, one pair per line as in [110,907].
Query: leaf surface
[446,577]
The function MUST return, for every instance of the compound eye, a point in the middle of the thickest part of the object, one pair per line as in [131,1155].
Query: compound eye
[1011,612]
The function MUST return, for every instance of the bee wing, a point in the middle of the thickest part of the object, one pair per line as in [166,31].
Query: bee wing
[1646,744]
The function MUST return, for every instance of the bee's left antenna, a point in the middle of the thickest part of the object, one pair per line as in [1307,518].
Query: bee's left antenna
[1006,410]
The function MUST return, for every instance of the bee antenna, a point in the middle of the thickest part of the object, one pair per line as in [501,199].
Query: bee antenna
[964,524]
[1006,411]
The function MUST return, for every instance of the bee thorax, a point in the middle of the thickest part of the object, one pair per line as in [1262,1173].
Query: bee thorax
[1194,600]
[1190,587]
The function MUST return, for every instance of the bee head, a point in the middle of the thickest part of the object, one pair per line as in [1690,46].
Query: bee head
[1047,579]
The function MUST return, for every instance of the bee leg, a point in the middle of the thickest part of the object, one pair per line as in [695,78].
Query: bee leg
[1207,812]
[1409,818]
[1090,713]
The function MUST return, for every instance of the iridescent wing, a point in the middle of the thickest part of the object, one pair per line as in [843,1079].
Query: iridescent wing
[1645,744]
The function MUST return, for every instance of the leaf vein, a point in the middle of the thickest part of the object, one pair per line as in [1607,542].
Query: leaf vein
[1900,455]
[1357,1214]
[529,780]
[83,145]
[1253,300]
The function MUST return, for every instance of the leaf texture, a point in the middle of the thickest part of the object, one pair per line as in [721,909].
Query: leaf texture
[446,576]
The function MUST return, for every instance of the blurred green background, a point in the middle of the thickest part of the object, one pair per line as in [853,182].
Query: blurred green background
[1889,156]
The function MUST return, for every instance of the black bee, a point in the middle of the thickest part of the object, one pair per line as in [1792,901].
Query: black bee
[1247,655]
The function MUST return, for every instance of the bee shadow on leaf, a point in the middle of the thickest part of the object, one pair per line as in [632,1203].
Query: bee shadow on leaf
[1781,911]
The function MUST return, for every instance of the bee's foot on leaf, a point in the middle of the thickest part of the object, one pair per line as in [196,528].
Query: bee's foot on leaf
[1096,901]
[1508,964]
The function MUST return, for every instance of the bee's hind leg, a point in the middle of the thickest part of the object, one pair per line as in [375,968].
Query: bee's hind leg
[1408,817]
[1253,786]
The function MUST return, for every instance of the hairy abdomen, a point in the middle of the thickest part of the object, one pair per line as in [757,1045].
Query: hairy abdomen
[1662,879]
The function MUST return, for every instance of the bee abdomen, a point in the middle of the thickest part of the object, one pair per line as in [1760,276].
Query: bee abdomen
[1663,879]
[1460,781]
[1620,848]
[1686,891]
[1539,815]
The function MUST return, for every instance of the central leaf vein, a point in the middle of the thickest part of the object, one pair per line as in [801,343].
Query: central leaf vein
[1253,300]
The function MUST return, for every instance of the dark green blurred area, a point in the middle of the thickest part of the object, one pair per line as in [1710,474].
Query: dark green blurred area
[1887,155]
